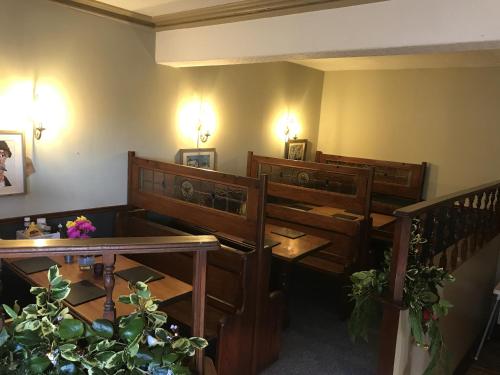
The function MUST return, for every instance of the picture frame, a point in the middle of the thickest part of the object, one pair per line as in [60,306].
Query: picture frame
[12,163]
[296,149]
[204,158]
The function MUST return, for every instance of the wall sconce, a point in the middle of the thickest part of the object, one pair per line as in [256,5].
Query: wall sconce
[37,118]
[37,131]
[287,133]
[291,128]
[203,134]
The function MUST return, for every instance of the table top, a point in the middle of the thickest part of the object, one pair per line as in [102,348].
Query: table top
[292,250]
[379,221]
[164,289]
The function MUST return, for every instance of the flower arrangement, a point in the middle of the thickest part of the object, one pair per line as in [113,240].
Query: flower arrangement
[80,228]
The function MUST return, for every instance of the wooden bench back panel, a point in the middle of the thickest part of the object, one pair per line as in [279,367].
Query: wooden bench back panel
[214,200]
[391,178]
[315,183]
[226,269]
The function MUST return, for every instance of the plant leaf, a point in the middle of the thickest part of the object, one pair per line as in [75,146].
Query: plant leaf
[53,273]
[103,328]
[38,365]
[10,311]
[70,329]
[4,336]
[198,342]
[132,329]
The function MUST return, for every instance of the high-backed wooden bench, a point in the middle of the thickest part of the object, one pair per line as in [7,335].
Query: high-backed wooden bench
[241,312]
[313,198]
[395,184]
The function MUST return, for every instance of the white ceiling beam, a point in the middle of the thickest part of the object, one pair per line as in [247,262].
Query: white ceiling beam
[389,27]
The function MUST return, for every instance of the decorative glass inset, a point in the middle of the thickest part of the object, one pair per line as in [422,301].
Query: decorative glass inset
[387,175]
[218,196]
[310,178]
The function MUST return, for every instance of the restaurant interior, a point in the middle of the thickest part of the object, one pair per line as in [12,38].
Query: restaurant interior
[305,187]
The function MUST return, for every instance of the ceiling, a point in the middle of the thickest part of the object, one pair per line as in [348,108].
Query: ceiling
[168,14]
[155,8]
[467,59]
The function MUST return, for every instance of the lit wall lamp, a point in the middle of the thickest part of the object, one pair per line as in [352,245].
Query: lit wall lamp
[38,131]
[37,120]
[291,128]
[203,134]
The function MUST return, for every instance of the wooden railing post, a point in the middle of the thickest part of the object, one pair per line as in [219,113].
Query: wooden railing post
[393,307]
[199,295]
[263,272]
[108,260]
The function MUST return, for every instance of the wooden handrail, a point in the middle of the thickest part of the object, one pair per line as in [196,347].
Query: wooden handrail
[454,226]
[418,208]
[116,245]
[110,247]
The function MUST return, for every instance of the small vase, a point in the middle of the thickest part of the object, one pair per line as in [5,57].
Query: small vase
[85,262]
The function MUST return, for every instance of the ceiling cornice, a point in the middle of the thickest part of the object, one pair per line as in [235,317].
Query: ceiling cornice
[218,14]
[247,10]
[100,8]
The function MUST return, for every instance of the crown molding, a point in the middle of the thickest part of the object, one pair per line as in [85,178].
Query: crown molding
[224,13]
[107,10]
[246,10]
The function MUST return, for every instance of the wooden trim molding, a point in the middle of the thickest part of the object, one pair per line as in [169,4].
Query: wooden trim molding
[103,9]
[56,215]
[246,10]
[218,14]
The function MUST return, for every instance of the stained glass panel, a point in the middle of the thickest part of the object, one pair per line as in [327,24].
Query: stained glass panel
[221,197]
[312,179]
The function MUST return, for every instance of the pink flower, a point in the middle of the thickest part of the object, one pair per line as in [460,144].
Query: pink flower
[80,228]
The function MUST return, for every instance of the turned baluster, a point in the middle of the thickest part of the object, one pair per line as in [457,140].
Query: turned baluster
[108,260]
[480,221]
[198,298]
[464,230]
[445,237]
[491,215]
[474,222]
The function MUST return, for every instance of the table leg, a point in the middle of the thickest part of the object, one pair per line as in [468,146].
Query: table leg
[109,283]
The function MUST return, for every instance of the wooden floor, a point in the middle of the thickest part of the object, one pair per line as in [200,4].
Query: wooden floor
[488,362]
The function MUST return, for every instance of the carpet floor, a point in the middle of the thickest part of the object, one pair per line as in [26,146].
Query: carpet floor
[317,340]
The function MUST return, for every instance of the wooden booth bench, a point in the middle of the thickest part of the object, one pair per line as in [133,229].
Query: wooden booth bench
[241,314]
[325,201]
[395,185]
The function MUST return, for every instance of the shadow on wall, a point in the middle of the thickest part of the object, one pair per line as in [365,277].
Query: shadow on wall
[430,181]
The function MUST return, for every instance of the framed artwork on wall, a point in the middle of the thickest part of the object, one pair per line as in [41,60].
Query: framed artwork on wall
[296,149]
[12,157]
[198,157]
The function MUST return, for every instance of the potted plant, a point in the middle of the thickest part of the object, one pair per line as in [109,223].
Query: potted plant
[44,338]
[420,295]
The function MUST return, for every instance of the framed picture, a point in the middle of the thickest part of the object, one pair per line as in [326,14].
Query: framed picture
[12,156]
[295,149]
[198,157]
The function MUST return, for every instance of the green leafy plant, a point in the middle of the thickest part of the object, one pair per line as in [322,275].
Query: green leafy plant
[420,295]
[44,338]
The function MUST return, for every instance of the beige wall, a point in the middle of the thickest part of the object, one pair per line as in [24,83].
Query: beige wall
[447,117]
[111,97]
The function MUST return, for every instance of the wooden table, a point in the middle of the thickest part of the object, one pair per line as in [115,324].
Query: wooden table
[379,221]
[292,250]
[164,289]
